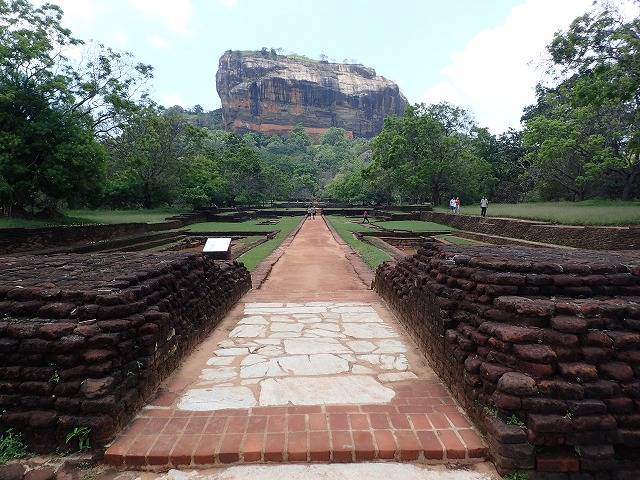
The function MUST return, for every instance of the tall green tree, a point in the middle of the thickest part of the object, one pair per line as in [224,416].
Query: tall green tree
[428,152]
[596,105]
[52,112]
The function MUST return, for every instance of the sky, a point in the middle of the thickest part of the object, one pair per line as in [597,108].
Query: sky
[485,56]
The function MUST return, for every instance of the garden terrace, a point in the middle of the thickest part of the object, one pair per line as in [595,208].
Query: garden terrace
[85,340]
[541,346]
[509,230]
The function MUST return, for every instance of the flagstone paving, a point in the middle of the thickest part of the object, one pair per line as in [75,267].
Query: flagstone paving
[310,366]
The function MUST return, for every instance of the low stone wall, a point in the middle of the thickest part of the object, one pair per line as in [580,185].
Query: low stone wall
[541,346]
[591,238]
[85,340]
[17,240]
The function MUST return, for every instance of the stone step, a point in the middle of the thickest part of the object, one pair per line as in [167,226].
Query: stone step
[331,433]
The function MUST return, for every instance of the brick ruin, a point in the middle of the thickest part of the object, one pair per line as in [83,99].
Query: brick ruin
[86,340]
[507,231]
[541,346]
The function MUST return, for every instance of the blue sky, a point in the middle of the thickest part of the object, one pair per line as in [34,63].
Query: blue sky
[482,55]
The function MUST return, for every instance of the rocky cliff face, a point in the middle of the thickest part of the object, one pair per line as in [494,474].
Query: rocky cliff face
[273,93]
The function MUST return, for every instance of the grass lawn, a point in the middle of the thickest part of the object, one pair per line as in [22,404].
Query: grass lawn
[284,223]
[345,228]
[84,217]
[414,226]
[590,212]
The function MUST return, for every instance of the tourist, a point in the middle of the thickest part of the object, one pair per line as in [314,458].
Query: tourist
[484,203]
[457,205]
[309,211]
[313,212]
[452,205]
[365,217]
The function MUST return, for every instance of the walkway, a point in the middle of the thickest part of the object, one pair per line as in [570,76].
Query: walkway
[310,366]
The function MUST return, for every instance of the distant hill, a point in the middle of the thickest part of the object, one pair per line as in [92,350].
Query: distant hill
[265,92]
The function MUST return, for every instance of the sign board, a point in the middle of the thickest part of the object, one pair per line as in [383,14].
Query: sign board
[218,248]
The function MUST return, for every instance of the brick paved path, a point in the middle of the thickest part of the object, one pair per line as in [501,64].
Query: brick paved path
[310,366]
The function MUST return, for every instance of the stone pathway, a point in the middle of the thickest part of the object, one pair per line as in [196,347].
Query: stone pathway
[309,367]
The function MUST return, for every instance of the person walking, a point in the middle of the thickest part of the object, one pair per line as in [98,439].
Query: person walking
[365,217]
[484,203]
[313,212]
[457,205]
[452,205]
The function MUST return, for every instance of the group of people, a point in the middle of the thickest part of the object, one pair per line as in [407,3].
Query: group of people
[454,204]
[311,212]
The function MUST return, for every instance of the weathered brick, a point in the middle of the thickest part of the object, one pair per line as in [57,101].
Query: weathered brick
[504,433]
[548,423]
[580,372]
[616,371]
[535,353]
[515,383]
[569,324]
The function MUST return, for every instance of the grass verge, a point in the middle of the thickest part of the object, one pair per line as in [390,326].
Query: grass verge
[589,212]
[345,227]
[256,255]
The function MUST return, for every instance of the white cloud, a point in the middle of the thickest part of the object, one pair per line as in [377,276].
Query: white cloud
[119,38]
[494,76]
[228,3]
[173,15]
[171,99]
[158,42]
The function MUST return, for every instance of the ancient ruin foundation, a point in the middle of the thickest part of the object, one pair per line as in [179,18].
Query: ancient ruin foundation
[542,347]
[85,340]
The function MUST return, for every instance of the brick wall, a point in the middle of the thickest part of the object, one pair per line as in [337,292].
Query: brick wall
[14,240]
[541,346]
[85,340]
[592,238]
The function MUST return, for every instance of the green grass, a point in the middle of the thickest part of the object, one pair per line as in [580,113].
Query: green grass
[414,226]
[253,257]
[246,226]
[84,217]
[590,212]
[345,227]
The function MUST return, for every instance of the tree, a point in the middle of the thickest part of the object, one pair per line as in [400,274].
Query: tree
[425,152]
[597,61]
[51,112]
[153,155]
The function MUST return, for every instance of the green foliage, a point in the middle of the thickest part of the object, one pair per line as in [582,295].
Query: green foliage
[492,412]
[585,129]
[428,153]
[11,446]
[82,434]
[52,112]
[516,476]
[514,420]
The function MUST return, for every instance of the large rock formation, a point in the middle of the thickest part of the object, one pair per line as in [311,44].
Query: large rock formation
[272,93]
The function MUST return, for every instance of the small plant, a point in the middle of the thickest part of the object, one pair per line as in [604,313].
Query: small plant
[55,378]
[492,412]
[139,364]
[11,446]
[568,415]
[82,434]
[513,420]
[516,476]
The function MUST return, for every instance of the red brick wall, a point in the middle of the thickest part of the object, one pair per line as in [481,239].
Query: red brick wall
[542,338]
[85,340]
[591,238]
